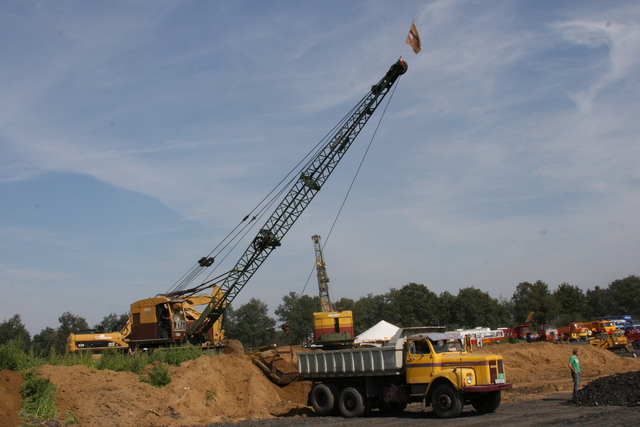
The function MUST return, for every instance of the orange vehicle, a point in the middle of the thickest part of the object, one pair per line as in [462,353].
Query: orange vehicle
[576,331]
[601,327]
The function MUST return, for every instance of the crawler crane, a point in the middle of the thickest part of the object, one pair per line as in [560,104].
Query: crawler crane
[302,190]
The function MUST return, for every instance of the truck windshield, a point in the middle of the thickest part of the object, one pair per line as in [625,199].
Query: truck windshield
[446,346]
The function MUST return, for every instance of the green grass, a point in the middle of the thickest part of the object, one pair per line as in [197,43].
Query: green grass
[13,358]
[158,375]
[38,397]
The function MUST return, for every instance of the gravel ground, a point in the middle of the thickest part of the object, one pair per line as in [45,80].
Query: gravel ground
[549,411]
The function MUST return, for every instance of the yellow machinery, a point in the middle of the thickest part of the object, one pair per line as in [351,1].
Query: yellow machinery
[95,341]
[165,320]
[616,342]
[433,368]
[153,322]
[331,328]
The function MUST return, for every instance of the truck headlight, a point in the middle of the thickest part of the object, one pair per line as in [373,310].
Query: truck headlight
[469,378]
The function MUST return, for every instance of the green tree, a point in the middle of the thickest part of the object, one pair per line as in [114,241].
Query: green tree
[447,310]
[411,305]
[112,322]
[344,304]
[368,311]
[506,307]
[55,340]
[625,293]
[473,308]
[598,303]
[297,313]
[573,304]
[44,343]
[251,324]
[13,329]
[534,297]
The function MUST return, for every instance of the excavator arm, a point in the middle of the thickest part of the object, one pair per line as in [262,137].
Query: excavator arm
[293,204]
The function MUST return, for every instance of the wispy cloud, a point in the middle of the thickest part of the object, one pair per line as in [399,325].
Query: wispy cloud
[508,153]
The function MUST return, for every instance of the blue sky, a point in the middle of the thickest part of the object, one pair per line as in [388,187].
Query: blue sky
[134,135]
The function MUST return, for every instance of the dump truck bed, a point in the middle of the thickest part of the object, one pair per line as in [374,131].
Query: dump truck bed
[361,362]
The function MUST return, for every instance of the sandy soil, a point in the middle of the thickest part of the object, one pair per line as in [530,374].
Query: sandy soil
[537,369]
[230,387]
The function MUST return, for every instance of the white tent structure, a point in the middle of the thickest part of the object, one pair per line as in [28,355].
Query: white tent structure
[380,333]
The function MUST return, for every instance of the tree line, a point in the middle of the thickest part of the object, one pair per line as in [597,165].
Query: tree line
[411,305]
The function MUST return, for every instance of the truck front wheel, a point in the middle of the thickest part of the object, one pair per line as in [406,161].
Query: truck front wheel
[487,403]
[351,403]
[323,398]
[636,344]
[446,402]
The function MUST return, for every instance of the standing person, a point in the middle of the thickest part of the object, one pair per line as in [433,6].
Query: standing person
[574,364]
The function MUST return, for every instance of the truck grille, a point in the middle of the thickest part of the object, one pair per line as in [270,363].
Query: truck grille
[496,370]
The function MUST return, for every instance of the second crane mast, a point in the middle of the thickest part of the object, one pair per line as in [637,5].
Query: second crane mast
[297,199]
[323,280]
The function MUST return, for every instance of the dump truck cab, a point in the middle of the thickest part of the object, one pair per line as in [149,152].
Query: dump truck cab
[440,358]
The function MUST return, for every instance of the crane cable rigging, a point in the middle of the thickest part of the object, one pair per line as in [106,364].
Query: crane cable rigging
[344,200]
[231,240]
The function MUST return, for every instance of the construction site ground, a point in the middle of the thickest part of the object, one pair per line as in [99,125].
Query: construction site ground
[230,390]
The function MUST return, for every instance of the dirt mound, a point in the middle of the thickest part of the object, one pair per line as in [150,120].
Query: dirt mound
[11,402]
[615,390]
[540,368]
[205,390]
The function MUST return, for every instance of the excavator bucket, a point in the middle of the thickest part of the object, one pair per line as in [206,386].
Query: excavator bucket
[278,365]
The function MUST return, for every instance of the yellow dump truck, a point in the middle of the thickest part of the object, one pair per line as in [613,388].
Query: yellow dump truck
[413,367]
[601,327]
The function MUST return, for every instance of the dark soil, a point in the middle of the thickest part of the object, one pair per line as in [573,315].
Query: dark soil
[614,390]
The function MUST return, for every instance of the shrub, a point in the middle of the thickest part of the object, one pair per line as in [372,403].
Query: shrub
[158,375]
[13,358]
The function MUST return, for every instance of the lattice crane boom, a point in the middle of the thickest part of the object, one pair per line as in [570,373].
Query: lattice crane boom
[297,199]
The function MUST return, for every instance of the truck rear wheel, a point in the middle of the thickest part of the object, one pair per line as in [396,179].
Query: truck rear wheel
[636,345]
[487,403]
[323,398]
[351,403]
[446,402]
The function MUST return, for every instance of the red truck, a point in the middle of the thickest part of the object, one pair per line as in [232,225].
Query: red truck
[520,331]
[634,338]
[547,332]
